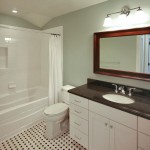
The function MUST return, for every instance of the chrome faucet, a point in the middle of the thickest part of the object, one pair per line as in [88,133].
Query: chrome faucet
[116,88]
[121,89]
[130,91]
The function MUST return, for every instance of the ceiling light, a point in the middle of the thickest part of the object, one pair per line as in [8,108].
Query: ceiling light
[14,11]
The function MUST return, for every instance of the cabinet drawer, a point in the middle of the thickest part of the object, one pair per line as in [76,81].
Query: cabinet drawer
[144,125]
[140,148]
[79,111]
[114,114]
[79,123]
[79,137]
[77,100]
[143,141]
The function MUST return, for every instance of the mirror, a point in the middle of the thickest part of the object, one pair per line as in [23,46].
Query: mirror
[123,53]
[126,53]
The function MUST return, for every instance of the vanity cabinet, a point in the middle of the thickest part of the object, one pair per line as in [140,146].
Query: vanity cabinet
[107,131]
[79,119]
[105,134]
[99,127]
[143,134]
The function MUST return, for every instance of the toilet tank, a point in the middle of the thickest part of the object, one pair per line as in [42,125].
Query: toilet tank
[65,94]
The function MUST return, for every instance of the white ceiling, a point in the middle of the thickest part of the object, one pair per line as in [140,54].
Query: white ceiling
[39,12]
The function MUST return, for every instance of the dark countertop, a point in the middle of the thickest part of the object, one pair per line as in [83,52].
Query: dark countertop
[94,92]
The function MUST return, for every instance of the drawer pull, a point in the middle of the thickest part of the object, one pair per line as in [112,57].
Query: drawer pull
[79,138]
[77,101]
[79,124]
[79,112]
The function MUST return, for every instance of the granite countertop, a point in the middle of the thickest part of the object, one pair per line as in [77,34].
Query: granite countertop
[94,92]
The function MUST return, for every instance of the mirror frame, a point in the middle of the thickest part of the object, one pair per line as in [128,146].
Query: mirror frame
[111,72]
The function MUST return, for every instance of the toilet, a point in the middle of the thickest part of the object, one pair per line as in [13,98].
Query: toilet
[57,115]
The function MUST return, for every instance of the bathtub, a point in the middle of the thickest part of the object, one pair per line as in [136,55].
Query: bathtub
[20,110]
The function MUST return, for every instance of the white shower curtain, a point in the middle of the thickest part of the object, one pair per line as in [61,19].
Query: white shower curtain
[55,68]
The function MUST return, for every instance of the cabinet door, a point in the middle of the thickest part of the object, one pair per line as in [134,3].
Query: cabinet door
[122,137]
[98,132]
[143,141]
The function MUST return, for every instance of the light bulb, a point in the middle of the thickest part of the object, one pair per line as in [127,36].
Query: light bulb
[107,22]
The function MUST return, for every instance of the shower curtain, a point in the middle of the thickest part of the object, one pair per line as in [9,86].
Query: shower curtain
[55,68]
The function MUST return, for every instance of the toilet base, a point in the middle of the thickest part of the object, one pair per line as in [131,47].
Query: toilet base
[54,129]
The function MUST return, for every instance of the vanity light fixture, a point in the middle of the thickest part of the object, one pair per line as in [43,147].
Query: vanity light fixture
[139,17]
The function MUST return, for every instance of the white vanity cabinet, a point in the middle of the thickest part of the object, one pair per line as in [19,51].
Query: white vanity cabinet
[79,119]
[99,127]
[143,134]
[109,130]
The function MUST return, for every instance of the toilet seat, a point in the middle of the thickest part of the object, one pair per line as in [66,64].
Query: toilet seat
[56,109]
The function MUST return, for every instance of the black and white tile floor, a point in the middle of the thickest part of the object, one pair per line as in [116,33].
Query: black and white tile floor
[33,139]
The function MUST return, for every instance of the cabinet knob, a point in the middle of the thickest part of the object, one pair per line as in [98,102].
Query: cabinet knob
[106,124]
[111,126]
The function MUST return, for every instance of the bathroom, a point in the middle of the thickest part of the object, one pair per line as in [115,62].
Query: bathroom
[76,29]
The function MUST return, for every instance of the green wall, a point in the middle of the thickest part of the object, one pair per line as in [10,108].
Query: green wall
[78,32]
[15,21]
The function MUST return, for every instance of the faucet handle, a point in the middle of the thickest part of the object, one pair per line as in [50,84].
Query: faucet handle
[130,91]
[121,88]
[116,88]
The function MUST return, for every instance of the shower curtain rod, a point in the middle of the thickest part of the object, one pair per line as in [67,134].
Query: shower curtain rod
[25,29]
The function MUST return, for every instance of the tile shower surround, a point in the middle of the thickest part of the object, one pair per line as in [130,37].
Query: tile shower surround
[23,60]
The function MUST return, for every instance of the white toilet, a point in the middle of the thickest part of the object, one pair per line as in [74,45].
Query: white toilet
[57,115]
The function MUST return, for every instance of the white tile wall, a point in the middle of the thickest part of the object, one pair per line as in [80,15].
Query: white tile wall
[27,59]
[3,57]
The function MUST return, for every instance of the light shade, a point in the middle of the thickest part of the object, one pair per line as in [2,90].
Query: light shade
[107,22]
[122,19]
[140,16]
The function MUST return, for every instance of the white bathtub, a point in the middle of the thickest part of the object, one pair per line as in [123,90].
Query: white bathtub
[21,110]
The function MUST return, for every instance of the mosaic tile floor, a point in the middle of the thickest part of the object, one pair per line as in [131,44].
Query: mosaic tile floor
[33,139]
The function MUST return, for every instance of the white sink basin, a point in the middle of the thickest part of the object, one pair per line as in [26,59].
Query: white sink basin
[118,98]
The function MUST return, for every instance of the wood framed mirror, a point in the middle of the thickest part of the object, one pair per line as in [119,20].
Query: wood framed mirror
[123,53]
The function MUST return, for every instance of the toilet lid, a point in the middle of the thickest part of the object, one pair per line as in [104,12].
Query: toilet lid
[56,109]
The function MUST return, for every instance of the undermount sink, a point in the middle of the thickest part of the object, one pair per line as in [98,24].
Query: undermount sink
[118,98]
